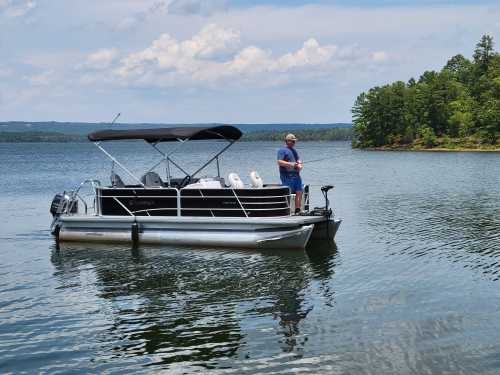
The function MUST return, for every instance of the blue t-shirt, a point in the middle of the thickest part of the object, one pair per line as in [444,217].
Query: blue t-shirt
[291,156]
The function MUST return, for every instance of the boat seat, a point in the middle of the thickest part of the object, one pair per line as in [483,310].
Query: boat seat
[255,180]
[116,181]
[176,182]
[152,179]
[235,181]
[207,183]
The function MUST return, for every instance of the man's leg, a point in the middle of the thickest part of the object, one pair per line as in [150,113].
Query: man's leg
[298,200]
[297,186]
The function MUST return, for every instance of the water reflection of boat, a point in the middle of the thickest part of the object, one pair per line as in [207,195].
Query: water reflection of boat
[196,306]
[188,210]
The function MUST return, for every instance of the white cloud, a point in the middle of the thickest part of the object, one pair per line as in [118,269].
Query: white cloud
[16,8]
[169,58]
[311,54]
[198,60]
[250,60]
[101,59]
[379,56]
[211,40]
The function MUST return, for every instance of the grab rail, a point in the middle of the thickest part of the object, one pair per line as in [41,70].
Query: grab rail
[74,196]
[244,203]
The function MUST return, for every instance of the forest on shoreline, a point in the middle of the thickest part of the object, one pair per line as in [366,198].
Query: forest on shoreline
[455,108]
[323,134]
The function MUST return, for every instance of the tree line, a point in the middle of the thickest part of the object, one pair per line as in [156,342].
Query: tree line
[37,136]
[330,134]
[322,134]
[460,104]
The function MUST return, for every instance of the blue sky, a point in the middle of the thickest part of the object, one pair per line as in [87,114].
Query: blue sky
[374,3]
[219,60]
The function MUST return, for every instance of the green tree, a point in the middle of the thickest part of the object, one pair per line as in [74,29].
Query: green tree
[460,68]
[489,121]
[461,120]
[484,52]
[462,100]
[426,134]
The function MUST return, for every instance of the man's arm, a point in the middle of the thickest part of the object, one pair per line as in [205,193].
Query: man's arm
[282,162]
[282,159]
[298,163]
[286,164]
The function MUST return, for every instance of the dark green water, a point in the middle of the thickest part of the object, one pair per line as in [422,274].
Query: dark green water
[412,288]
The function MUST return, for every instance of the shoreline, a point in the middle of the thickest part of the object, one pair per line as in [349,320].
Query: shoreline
[433,149]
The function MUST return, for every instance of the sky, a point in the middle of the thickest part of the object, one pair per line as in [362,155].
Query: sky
[227,61]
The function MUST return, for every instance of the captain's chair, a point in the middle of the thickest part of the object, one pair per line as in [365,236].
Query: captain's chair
[235,181]
[256,180]
[116,181]
[152,179]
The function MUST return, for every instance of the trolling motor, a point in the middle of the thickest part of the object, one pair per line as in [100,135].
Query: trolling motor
[324,190]
[323,211]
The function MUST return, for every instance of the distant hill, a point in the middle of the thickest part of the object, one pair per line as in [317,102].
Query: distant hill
[83,128]
[36,136]
[257,133]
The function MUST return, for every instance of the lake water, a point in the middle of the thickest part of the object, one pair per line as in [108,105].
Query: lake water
[413,286]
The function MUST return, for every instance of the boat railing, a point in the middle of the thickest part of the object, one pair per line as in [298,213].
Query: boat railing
[248,205]
[75,196]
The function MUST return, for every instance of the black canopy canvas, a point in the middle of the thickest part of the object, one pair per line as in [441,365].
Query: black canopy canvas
[226,132]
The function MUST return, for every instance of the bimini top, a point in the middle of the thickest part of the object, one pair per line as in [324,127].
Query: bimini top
[229,133]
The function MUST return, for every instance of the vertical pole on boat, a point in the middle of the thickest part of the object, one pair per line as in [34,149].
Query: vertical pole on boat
[165,159]
[135,235]
[324,190]
[168,171]
[218,166]
[57,232]
[328,211]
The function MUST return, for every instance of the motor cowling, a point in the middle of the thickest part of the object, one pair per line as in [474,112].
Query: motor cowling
[56,203]
[61,203]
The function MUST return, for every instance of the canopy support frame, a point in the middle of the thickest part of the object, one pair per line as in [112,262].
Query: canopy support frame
[167,159]
[118,163]
[215,157]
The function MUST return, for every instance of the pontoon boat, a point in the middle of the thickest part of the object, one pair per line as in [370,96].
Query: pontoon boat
[188,210]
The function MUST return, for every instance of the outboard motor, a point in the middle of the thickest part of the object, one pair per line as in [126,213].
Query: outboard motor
[56,203]
[62,202]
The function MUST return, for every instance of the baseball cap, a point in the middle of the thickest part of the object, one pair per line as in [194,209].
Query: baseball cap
[290,137]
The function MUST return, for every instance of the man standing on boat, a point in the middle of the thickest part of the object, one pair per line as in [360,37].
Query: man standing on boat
[290,166]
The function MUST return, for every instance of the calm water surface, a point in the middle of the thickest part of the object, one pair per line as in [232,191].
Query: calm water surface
[413,286]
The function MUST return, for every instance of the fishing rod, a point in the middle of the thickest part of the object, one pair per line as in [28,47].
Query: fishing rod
[313,161]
